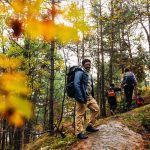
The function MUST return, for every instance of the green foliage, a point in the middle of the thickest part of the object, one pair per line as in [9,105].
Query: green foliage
[51,142]
[139,63]
[145,121]
[122,106]
[137,117]
[61,143]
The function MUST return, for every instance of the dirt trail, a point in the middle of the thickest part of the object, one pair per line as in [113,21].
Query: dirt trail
[111,136]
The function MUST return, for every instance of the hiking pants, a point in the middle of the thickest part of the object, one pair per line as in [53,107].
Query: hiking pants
[112,103]
[128,90]
[80,111]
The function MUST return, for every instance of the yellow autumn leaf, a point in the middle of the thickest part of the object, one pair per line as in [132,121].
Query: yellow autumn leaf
[18,5]
[80,25]
[13,91]
[14,82]
[73,12]
[15,109]
[33,28]
[16,119]
[2,8]
[45,29]
[49,30]
[20,105]
[34,8]
[2,104]
[6,62]
[66,34]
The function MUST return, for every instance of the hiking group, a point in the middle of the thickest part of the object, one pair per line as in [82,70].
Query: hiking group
[80,87]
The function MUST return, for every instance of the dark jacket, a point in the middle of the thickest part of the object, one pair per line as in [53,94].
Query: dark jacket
[80,84]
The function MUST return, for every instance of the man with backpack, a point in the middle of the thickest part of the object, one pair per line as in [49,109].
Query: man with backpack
[128,83]
[112,97]
[83,94]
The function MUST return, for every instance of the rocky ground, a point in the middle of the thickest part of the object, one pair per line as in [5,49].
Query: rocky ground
[111,136]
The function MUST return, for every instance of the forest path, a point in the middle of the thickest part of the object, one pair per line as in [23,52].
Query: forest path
[114,135]
[111,136]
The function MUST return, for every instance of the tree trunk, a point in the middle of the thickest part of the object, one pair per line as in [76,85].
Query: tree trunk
[78,53]
[51,99]
[103,111]
[45,110]
[18,139]
[148,12]
[121,50]
[28,125]
[83,50]
[112,44]
[98,66]
[4,134]
[141,21]
[130,51]
[11,135]
[27,132]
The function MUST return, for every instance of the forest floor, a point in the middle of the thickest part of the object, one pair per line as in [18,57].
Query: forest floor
[123,131]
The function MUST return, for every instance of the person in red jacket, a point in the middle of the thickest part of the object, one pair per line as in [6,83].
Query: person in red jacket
[139,100]
[112,99]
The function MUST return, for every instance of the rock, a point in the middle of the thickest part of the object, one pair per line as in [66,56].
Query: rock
[45,148]
[115,136]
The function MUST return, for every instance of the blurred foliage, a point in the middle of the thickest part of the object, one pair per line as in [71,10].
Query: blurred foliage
[13,92]
[36,20]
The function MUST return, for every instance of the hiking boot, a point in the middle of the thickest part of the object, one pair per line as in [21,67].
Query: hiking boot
[91,129]
[82,136]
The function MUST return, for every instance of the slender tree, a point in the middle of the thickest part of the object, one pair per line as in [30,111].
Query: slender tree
[51,98]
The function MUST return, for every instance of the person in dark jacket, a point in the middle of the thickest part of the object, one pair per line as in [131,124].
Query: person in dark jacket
[128,83]
[112,97]
[84,94]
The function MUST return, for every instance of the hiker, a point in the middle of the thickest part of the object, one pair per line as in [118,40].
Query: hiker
[84,93]
[112,99]
[128,83]
[139,99]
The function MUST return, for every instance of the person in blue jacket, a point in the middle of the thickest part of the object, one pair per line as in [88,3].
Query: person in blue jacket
[84,95]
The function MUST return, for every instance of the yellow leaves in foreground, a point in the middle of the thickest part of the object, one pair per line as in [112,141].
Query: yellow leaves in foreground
[6,62]
[15,109]
[14,83]
[28,19]
[44,29]
[13,93]
[18,5]
[66,34]
[22,6]
[47,30]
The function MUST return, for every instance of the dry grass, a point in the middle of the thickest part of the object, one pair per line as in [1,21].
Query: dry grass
[37,143]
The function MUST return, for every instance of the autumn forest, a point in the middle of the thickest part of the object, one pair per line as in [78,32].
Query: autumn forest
[41,39]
